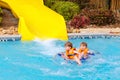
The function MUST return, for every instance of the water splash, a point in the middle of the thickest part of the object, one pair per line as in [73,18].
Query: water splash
[50,47]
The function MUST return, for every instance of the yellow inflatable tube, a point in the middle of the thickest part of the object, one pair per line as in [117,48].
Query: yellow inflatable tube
[36,20]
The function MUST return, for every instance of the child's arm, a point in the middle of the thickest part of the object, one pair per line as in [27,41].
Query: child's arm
[77,58]
[80,54]
[76,52]
[86,53]
[64,55]
[83,54]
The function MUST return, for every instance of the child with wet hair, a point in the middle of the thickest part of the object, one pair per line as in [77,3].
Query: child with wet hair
[71,53]
[83,50]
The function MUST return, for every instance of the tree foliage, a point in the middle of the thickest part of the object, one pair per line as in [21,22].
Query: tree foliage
[100,17]
[1,15]
[66,9]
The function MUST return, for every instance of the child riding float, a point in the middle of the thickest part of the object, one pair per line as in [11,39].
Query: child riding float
[83,50]
[71,53]
[76,55]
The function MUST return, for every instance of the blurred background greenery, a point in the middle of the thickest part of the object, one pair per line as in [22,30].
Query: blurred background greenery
[100,12]
[1,12]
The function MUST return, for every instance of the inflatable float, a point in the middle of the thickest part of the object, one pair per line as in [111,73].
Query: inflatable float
[59,59]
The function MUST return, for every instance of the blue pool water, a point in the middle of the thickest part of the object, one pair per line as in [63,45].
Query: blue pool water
[35,61]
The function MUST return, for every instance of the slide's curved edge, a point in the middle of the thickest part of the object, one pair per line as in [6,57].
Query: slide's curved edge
[22,29]
[28,26]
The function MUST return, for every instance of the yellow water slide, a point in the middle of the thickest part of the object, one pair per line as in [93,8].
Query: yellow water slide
[36,20]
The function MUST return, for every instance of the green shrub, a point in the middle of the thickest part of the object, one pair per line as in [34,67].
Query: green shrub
[81,3]
[1,15]
[49,3]
[66,9]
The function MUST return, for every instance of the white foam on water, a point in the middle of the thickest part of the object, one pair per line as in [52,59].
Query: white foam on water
[50,48]
[34,55]
[33,66]
[89,69]
[101,60]
[44,41]
[6,58]
[117,63]
[58,73]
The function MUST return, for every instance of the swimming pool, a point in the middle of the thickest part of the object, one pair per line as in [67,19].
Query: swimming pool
[34,61]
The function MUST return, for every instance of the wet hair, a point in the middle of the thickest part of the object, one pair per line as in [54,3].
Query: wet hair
[84,44]
[69,44]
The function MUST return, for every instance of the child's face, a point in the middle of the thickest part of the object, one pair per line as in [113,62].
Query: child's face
[67,47]
[82,47]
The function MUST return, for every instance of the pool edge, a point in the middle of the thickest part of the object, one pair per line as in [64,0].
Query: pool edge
[70,36]
[10,38]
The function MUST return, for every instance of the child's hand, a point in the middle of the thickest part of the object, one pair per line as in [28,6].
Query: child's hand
[85,56]
[63,56]
[62,52]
